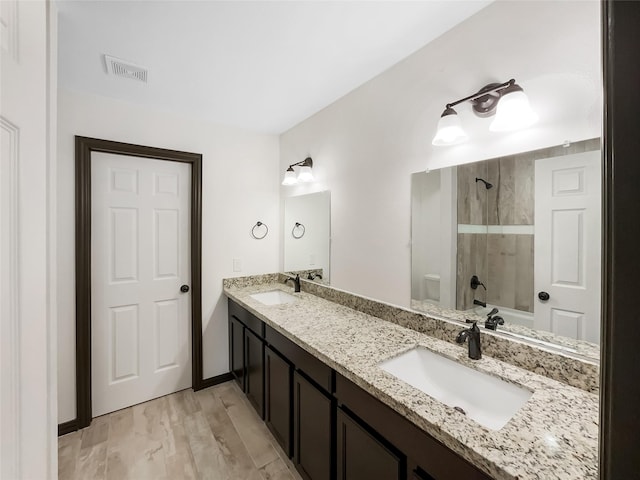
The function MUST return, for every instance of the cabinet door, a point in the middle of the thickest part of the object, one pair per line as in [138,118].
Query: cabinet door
[419,474]
[254,367]
[312,432]
[236,350]
[361,456]
[278,375]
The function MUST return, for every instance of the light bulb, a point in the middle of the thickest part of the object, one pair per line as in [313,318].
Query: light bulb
[290,177]
[513,111]
[450,131]
[305,175]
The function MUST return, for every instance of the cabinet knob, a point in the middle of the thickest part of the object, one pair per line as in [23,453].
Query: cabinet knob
[184,288]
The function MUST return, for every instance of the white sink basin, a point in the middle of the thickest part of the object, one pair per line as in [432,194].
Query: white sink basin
[486,399]
[273,297]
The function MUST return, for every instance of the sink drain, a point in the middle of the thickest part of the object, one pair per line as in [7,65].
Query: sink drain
[460,409]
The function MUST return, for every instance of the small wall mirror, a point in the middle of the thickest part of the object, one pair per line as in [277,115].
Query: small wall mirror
[307,233]
[515,238]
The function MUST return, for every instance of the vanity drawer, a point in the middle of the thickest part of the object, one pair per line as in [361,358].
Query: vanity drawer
[301,359]
[249,320]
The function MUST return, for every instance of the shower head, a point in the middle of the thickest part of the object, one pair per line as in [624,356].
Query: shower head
[486,184]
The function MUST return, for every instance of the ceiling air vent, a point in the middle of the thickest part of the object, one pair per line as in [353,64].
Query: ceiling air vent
[123,68]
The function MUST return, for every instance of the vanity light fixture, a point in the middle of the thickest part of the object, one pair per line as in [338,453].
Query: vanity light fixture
[304,175]
[507,101]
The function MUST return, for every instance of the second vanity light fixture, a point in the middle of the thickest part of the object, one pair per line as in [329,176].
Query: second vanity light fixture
[304,175]
[507,101]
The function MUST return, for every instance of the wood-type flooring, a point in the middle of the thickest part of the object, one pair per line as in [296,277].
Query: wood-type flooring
[211,434]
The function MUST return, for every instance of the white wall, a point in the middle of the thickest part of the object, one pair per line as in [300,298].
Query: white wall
[240,186]
[366,145]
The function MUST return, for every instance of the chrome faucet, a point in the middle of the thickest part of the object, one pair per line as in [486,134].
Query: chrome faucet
[296,282]
[471,334]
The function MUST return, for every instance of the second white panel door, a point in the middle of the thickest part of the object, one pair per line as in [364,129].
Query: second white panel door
[567,245]
[140,258]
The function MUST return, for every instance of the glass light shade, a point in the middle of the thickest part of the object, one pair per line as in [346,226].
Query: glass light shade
[450,131]
[513,112]
[305,175]
[289,177]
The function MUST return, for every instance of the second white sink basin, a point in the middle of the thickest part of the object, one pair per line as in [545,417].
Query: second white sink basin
[273,297]
[486,399]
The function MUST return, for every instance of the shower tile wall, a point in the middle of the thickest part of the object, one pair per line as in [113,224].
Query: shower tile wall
[511,201]
[504,262]
[472,197]
[472,260]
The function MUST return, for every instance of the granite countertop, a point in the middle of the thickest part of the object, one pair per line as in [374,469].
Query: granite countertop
[554,436]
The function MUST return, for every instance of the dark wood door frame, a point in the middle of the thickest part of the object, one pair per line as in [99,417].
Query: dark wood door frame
[620,365]
[84,148]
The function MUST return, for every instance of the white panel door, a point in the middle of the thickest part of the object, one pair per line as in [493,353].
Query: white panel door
[140,257]
[27,231]
[568,245]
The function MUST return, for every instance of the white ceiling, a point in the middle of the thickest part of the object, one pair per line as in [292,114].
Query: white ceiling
[261,65]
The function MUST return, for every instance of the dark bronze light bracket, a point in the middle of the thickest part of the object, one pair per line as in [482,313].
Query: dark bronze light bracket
[485,100]
[307,162]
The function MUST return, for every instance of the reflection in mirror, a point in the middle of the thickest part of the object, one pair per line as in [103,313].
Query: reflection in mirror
[513,242]
[307,231]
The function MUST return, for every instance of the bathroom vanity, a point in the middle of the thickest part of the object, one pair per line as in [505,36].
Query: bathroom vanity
[311,368]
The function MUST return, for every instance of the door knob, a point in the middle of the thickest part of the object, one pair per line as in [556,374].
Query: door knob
[184,288]
[544,296]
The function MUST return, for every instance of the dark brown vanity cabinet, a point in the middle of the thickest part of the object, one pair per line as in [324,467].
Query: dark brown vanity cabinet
[418,474]
[363,455]
[330,427]
[254,370]
[246,354]
[312,408]
[429,459]
[236,350]
[312,430]
[278,398]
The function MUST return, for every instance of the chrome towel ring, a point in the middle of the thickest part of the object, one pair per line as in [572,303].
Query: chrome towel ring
[259,225]
[299,228]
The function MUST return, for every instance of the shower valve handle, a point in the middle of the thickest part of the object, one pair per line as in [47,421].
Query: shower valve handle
[475,283]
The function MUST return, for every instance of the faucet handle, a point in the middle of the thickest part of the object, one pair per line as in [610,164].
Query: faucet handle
[492,312]
[475,283]
[468,320]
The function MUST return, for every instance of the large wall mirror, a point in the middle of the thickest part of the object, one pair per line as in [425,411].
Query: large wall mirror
[514,243]
[307,233]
